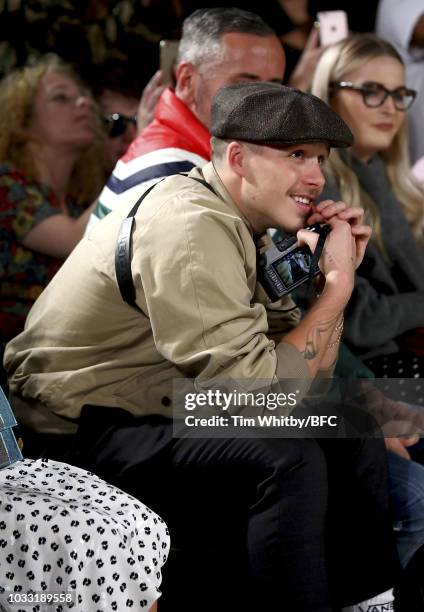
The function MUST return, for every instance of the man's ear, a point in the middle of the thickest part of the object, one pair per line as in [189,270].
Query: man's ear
[185,85]
[236,158]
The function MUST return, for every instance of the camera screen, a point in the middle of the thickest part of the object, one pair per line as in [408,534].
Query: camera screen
[294,267]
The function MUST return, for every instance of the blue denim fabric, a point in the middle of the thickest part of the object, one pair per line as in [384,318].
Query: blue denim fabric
[9,449]
[406,488]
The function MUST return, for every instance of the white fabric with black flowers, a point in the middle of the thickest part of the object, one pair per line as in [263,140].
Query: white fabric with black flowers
[63,530]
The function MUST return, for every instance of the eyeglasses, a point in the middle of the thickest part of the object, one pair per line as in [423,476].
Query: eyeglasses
[375,94]
[117,124]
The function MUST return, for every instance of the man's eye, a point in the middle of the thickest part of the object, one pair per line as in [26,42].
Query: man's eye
[299,154]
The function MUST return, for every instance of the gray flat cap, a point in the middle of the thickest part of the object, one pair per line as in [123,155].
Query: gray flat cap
[271,114]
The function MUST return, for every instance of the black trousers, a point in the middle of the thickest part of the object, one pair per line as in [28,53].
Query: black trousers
[291,525]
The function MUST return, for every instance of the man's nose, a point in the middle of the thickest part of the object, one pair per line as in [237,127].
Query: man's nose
[314,176]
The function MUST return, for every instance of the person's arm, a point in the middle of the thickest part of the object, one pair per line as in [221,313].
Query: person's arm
[149,98]
[319,333]
[38,222]
[301,77]
[58,234]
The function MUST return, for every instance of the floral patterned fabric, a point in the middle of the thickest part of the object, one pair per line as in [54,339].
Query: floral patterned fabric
[23,273]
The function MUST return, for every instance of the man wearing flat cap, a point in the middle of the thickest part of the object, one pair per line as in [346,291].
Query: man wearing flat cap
[260,523]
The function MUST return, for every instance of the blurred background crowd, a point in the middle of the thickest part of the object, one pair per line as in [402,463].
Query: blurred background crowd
[94,34]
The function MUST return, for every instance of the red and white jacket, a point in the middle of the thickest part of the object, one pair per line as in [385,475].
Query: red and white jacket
[175,141]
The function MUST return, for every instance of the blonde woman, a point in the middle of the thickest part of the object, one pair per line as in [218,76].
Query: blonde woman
[363,79]
[50,170]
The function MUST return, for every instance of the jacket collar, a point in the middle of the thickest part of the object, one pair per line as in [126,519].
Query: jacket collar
[173,113]
[212,177]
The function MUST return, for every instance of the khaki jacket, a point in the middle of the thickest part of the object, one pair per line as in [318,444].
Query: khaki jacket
[203,314]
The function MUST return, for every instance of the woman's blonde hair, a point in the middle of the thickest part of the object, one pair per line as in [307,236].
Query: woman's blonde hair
[338,60]
[17,94]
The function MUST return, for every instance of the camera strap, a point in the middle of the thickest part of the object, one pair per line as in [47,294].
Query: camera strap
[325,230]
[124,243]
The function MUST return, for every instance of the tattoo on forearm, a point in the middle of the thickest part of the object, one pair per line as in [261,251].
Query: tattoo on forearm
[327,254]
[313,338]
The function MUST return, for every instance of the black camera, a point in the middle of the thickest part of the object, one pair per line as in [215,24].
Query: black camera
[285,266]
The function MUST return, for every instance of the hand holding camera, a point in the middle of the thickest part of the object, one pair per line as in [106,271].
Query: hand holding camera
[290,263]
[338,258]
[287,265]
[354,215]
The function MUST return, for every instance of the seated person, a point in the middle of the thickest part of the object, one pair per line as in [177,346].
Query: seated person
[124,108]
[49,173]
[297,514]
[363,79]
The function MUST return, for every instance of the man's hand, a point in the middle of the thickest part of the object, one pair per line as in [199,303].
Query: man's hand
[354,215]
[149,98]
[338,259]
[399,445]
[327,209]
[395,418]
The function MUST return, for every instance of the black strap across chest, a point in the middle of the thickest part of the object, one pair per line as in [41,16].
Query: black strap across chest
[123,247]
